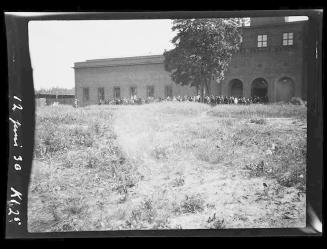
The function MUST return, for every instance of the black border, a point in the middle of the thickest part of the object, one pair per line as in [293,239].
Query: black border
[20,83]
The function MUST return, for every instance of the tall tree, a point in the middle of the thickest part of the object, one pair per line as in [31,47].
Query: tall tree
[203,50]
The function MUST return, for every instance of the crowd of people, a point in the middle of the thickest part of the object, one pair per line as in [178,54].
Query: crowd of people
[214,100]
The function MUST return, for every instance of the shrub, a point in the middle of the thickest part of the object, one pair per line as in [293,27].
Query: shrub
[256,169]
[89,158]
[39,148]
[290,160]
[160,152]
[50,141]
[292,178]
[161,224]
[141,216]
[215,222]
[207,152]
[258,121]
[74,206]
[286,163]
[82,136]
[192,204]
[297,101]
[178,182]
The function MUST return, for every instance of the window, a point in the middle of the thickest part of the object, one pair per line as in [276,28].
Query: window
[287,39]
[117,92]
[168,91]
[132,91]
[150,91]
[100,93]
[262,41]
[86,94]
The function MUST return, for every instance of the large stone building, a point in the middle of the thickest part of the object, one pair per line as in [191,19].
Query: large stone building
[271,62]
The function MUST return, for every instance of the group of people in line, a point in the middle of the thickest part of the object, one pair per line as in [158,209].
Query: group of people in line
[213,100]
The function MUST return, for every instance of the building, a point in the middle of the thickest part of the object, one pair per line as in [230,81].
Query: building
[271,62]
[142,76]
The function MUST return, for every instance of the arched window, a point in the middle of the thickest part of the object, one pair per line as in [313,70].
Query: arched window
[284,89]
[236,88]
[259,88]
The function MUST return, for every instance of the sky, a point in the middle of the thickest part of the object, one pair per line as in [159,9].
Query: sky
[56,45]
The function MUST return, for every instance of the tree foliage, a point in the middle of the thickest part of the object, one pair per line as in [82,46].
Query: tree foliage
[56,90]
[203,50]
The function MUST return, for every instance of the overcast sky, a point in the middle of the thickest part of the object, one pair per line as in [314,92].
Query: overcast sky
[56,45]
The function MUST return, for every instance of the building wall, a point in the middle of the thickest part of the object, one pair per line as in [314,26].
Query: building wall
[271,63]
[139,76]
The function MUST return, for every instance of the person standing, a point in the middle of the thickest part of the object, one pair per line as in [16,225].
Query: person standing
[75,102]
[235,100]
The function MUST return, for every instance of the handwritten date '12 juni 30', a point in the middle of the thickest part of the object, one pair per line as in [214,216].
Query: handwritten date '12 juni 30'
[15,195]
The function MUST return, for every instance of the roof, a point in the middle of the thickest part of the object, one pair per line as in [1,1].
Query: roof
[273,25]
[124,61]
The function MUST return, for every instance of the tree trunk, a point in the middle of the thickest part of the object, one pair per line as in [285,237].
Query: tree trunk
[207,84]
[202,91]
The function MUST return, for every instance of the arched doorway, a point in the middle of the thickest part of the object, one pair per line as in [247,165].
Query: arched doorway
[284,89]
[259,88]
[236,88]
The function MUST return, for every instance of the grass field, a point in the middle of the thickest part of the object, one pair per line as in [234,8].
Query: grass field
[168,166]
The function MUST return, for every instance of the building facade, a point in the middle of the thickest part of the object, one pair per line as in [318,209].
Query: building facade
[142,76]
[271,62]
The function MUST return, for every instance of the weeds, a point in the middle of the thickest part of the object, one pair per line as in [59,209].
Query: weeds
[86,155]
[160,152]
[75,206]
[178,182]
[146,216]
[256,169]
[285,163]
[191,204]
[258,121]
[215,222]
[259,111]
[208,153]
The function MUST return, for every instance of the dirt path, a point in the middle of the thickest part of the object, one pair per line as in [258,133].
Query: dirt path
[153,141]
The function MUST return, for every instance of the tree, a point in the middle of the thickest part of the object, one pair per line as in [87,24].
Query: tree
[56,90]
[203,50]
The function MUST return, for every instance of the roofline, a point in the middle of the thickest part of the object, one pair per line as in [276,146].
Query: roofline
[128,57]
[275,24]
[121,61]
